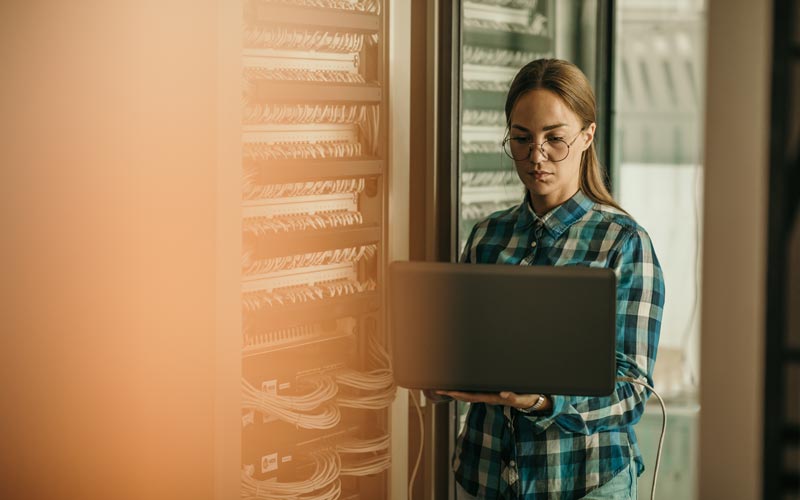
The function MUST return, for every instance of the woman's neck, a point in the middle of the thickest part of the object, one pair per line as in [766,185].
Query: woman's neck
[541,205]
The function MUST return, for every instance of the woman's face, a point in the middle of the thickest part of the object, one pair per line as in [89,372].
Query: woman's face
[540,115]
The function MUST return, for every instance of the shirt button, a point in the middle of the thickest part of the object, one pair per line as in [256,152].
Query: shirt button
[512,463]
[533,244]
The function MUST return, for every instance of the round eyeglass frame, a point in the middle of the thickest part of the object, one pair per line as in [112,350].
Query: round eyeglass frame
[531,144]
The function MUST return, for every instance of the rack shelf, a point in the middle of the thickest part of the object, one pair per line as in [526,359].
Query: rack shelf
[485,162]
[283,244]
[314,16]
[285,171]
[484,99]
[328,309]
[276,91]
[505,39]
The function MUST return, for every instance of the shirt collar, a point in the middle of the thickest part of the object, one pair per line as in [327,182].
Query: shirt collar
[557,220]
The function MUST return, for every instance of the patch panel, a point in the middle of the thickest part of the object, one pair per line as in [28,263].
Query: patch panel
[313,159]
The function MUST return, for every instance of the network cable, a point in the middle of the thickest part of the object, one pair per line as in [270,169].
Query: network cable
[297,409]
[327,466]
[663,428]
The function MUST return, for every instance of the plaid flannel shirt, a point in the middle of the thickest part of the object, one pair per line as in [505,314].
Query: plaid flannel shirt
[584,441]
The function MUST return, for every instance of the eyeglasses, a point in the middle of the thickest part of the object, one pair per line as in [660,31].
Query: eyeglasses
[520,148]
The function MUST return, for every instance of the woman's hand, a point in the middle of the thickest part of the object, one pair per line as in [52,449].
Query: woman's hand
[505,398]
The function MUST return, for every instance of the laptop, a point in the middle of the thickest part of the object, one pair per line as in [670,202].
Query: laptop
[491,328]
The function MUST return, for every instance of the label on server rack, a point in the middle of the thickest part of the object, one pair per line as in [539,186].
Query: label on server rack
[269,463]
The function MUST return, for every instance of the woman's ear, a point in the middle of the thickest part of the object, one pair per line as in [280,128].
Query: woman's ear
[588,136]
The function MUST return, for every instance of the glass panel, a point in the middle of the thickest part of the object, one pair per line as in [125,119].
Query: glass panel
[498,38]
[657,177]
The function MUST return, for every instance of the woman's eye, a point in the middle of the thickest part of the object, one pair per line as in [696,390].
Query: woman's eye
[521,140]
[555,138]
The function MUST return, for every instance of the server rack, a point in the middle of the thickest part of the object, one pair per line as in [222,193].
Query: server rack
[316,382]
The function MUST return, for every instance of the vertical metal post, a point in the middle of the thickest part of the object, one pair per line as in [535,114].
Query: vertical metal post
[604,81]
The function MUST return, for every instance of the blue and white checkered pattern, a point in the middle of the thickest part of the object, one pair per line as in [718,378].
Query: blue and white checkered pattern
[503,453]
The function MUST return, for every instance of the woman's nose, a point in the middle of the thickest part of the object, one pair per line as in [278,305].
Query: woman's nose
[536,154]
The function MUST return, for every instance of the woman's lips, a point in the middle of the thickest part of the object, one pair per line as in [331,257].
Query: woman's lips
[540,174]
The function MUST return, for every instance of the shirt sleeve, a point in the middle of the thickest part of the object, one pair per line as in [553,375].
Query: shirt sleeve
[640,303]
[466,254]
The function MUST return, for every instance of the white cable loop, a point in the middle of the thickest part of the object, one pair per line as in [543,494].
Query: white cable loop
[663,428]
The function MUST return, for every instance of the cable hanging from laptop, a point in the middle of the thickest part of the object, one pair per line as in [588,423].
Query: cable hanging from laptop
[663,427]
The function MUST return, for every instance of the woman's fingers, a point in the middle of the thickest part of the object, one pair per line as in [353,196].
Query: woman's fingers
[474,397]
[506,398]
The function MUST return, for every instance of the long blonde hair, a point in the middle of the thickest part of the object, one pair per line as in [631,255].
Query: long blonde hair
[568,82]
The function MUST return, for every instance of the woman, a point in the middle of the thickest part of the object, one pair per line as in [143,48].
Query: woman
[534,446]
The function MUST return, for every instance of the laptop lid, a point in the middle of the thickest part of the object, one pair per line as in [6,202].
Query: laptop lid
[490,328]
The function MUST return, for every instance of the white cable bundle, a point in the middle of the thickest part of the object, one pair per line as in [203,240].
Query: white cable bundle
[301,151]
[379,382]
[253,301]
[377,461]
[278,37]
[370,6]
[501,86]
[369,129]
[305,113]
[377,352]
[493,178]
[325,477]
[481,147]
[335,256]
[474,211]
[484,117]
[366,466]
[259,226]
[302,75]
[253,191]
[514,4]
[377,444]
[500,57]
[295,409]
[537,27]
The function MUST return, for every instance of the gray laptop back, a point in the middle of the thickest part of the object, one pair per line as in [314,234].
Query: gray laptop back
[481,327]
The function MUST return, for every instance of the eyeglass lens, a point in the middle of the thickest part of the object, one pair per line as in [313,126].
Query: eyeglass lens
[519,149]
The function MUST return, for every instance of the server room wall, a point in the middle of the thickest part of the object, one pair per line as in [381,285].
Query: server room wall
[108,164]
